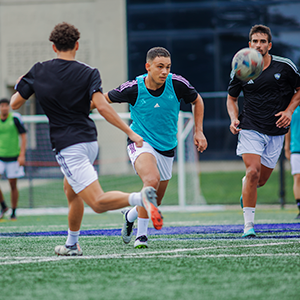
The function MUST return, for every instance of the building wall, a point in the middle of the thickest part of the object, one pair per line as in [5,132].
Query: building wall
[24,31]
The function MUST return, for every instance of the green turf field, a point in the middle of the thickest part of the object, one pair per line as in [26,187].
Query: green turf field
[210,264]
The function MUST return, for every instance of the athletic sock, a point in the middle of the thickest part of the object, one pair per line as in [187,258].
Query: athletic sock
[13,212]
[142,228]
[249,213]
[298,203]
[132,215]
[72,237]
[135,199]
[3,205]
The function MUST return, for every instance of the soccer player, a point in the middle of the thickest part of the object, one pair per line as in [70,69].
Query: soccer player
[154,100]
[292,152]
[269,102]
[65,88]
[12,154]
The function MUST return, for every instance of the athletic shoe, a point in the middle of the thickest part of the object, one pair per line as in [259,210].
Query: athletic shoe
[298,217]
[249,230]
[3,211]
[74,250]
[126,231]
[241,198]
[13,218]
[150,204]
[141,242]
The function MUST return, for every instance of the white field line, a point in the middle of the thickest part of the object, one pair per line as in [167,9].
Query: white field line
[7,260]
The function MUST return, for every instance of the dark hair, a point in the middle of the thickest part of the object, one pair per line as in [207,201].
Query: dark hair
[64,36]
[4,100]
[157,52]
[261,29]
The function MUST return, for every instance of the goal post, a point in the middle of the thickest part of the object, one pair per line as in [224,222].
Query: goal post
[42,184]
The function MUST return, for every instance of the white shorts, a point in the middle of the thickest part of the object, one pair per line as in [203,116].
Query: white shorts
[295,163]
[76,163]
[268,147]
[164,163]
[12,169]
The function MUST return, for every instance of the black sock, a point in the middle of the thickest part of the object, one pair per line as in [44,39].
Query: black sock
[13,211]
[298,203]
[3,205]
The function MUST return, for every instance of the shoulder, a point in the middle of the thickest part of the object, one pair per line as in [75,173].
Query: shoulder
[128,86]
[285,61]
[17,116]
[180,80]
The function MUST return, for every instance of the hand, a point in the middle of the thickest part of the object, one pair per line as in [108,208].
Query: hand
[200,141]
[136,138]
[21,160]
[284,120]
[234,126]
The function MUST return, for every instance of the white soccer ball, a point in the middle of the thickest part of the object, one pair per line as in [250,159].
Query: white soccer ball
[247,64]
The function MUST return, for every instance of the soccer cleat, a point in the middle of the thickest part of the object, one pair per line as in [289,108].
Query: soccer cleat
[126,231]
[74,250]
[249,230]
[13,217]
[3,211]
[141,242]
[150,204]
[241,198]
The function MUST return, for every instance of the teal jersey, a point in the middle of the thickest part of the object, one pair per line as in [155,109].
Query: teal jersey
[155,118]
[295,131]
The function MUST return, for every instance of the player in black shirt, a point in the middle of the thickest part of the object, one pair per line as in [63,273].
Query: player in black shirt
[65,89]
[269,102]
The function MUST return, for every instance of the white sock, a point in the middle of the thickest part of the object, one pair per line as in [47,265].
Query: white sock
[142,228]
[72,237]
[132,215]
[249,213]
[135,199]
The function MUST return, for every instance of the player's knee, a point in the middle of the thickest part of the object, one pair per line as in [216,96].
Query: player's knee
[253,175]
[152,181]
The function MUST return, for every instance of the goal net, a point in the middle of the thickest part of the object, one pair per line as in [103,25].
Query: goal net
[42,185]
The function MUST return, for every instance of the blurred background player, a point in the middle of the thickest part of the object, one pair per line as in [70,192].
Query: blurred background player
[12,154]
[292,152]
[65,89]
[154,100]
[269,102]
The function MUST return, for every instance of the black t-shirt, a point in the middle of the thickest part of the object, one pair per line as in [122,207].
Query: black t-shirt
[128,93]
[267,95]
[64,89]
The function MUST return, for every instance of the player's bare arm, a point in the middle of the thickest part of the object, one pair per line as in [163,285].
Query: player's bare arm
[286,115]
[198,111]
[16,101]
[112,117]
[233,112]
[21,158]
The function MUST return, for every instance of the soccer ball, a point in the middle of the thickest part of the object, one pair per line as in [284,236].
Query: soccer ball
[247,64]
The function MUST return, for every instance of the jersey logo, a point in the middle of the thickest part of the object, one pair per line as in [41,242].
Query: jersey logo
[156,105]
[250,81]
[277,76]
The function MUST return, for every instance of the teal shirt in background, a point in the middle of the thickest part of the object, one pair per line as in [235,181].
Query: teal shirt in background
[295,131]
[155,118]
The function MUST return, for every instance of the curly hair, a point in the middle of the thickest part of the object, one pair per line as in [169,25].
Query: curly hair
[157,52]
[64,36]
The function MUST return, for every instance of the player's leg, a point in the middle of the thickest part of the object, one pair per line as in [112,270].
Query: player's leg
[295,171]
[14,196]
[4,207]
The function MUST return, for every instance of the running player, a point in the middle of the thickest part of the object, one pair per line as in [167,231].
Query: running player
[269,102]
[154,100]
[65,89]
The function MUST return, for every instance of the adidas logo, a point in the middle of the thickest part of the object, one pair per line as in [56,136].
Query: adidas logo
[250,81]
[156,105]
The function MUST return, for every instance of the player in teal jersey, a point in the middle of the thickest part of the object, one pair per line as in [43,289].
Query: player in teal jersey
[12,156]
[154,100]
[292,152]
